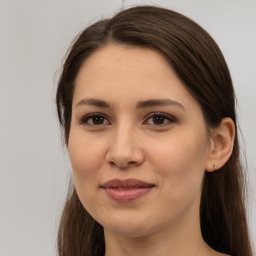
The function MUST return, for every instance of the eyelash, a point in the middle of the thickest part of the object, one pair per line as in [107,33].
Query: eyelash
[170,119]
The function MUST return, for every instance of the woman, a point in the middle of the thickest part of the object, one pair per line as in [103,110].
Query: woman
[147,106]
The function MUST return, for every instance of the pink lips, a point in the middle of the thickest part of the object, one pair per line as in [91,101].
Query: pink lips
[126,190]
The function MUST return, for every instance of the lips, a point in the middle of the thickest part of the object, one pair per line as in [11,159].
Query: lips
[126,190]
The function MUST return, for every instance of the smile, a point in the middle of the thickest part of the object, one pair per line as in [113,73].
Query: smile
[126,190]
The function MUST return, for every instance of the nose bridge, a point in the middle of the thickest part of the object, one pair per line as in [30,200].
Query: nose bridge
[124,148]
[123,139]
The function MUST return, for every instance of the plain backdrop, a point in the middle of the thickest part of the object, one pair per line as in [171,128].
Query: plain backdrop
[34,37]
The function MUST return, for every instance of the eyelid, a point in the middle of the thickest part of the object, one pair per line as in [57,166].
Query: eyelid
[170,118]
[86,117]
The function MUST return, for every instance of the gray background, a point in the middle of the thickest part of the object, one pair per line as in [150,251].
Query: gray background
[34,36]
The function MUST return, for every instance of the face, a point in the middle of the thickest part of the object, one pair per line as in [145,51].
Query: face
[138,142]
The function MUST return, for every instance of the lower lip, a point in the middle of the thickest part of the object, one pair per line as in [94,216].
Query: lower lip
[126,195]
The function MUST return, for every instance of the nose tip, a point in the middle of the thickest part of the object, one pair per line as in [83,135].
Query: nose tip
[124,159]
[124,152]
[123,164]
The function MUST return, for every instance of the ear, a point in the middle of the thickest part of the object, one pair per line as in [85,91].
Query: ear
[221,144]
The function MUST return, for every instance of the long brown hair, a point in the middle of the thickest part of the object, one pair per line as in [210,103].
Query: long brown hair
[199,63]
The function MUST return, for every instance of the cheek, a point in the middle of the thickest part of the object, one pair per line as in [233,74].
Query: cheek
[180,164]
[86,158]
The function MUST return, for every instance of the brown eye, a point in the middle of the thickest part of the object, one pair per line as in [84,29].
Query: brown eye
[160,119]
[95,120]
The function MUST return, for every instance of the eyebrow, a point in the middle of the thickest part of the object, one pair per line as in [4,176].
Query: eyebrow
[141,104]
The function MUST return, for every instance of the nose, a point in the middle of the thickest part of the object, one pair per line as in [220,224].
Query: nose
[124,150]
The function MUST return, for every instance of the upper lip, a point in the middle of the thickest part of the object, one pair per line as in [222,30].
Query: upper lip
[128,183]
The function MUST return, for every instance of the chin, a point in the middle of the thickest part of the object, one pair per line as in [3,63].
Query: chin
[128,231]
[129,227]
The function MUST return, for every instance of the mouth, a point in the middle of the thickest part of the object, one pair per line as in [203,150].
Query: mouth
[126,190]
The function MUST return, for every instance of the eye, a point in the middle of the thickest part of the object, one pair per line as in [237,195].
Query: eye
[160,119]
[95,119]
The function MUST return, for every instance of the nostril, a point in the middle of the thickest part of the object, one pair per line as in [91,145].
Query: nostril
[123,165]
[112,163]
[124,159]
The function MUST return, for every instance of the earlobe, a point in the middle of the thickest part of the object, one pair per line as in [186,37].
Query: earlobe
[221,144]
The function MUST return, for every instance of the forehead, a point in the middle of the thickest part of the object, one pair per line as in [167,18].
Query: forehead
[125,73]
[127,60]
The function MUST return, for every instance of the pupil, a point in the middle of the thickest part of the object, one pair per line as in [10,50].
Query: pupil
[158,119]
[98,120]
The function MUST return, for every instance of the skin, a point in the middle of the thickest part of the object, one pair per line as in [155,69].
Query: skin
[127,142]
